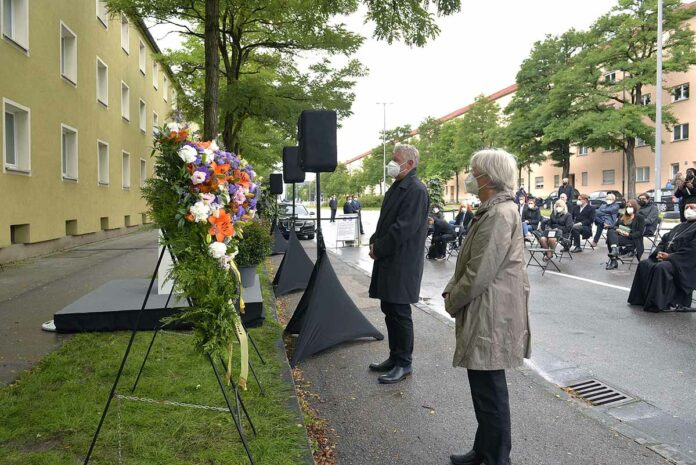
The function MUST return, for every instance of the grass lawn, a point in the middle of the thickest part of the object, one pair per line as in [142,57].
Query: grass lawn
[50,414]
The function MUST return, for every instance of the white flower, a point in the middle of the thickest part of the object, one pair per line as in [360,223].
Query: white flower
[197,177]
[200,212]
[208,156]
[217,249]
[213,146]
[215,210]
[207,198]
[173,127]
[188,154]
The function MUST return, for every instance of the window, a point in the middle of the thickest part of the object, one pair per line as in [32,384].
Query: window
[681,92]
[643,174]
[68,54]
[165,88]
[675,169]
[640,142]
[103,163]
[102,13]
[102,82]
[125,101]
[17,140]
[141,56]
[584,178]
[610,78]
[539,182]
[155,124]
[142,116]
[645,99]
[608,177]
[143,172]
[125,34]
[681,131]
[155,77]
[68,151]
[125,170]
[15,21]
[583,150]
[556,180]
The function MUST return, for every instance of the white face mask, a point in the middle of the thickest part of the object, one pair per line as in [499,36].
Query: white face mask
[531,206]
[579,202]
[559,209]
[394,169]
[609,202]
[690,214]
[471,185]
[436,210]
[629,211]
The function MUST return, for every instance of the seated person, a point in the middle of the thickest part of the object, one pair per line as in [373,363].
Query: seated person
[626,233]
[531,217]
[651,216]
[606,217]
[464,216]
[667,278]
[437,213]
[557,227]
[583,218]
[443,232]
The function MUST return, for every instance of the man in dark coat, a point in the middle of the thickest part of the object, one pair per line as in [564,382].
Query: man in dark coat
[333,205]
[651,216]
[397,250]
[357,208]
[566,189]
[583,218]
[443,232]
[521,196]
[666,279]
[348,206]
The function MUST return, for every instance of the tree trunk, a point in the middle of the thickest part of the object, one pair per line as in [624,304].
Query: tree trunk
[456,178]
[630,168]
[227,135]
[566,161]
[212,69]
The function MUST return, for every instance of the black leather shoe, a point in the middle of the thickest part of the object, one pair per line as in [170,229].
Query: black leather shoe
[396,375]
[470,458]
[613,264]
[577,250]
[383,367]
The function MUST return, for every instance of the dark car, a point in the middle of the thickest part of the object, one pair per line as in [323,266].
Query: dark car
[668,200]
[553,196]
[303,228]
[599,198]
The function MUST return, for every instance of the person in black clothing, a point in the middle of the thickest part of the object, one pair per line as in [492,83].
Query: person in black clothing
[666,279]
[627,233]
[558,227]
[464,216]
[443,232]
[686,191]
[584,217]
[333,205]
[396,248]
[531,217]
[357,208]
[348,206]
[566,189]
[651,216]
[521,196]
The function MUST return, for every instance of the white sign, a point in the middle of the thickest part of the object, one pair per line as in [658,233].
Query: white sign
[347,228]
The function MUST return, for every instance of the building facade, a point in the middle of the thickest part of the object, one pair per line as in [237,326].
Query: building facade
[81,96]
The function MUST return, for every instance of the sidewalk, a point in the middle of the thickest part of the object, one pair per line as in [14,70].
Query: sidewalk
[424,419]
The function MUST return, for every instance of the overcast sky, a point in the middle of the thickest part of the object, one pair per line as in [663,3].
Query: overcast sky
[479,51]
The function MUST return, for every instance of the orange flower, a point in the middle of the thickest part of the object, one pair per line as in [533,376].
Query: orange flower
[204,145]
[220,171]
[221,226]
[189,217]
[244,179]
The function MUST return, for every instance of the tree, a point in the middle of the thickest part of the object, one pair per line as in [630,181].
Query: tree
[338,183]
[428,133]
[372,172]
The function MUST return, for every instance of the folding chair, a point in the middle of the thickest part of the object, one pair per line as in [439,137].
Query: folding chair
[564,251]
[656,237]
[535,253]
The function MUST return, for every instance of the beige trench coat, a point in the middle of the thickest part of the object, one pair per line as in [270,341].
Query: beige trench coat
[489,291]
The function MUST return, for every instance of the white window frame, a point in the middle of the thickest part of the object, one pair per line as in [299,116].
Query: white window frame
[681,132]
[125,109]
[102,13]
[100,180]
[610,77]
[584,178]
[537,184]
[155,74]
[125,169]
[22,164]
[71,75]
[125,34]
[613,177]
[165,87]
[640,142]
[556,180]
[645,99]
[142,56]
[104,102]
[20,17]
[643,170]
[143,174]
[142,115]
[66,175]
[155,123]
[679,92]
[583,150]
[673,170]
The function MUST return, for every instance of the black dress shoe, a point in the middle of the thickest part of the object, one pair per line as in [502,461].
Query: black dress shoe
[383,367]
[577,249]
[470,458]
[396,375]
[613,264]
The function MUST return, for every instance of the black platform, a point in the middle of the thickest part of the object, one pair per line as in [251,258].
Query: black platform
[254,314]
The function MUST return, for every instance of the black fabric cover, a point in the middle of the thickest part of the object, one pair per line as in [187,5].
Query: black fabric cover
[276,187]
[294,270]
[326,315]
[292,172]
[280,245]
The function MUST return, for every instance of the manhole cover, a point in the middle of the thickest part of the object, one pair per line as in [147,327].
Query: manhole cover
[597,393]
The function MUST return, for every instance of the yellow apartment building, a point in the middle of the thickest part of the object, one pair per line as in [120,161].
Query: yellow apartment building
[81,95]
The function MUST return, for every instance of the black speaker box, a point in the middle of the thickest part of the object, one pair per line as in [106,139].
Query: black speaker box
[317,141]
[292,172]
[276,183]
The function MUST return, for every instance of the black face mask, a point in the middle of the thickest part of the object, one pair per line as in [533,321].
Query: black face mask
[642,203]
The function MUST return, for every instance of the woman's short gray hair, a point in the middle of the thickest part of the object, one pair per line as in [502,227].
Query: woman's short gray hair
[561,203]
[408,151]
[499,165]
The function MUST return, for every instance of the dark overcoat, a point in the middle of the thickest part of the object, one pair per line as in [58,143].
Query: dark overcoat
[399,242]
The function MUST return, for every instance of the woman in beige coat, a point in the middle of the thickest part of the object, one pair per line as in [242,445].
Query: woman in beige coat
[488,297]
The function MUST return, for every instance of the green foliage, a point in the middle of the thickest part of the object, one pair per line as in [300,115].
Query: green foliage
[478,129]
[267,206]
[436,187]
[371,200]
[255,244]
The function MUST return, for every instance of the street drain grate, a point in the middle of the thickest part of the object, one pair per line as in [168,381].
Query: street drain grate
[597,393]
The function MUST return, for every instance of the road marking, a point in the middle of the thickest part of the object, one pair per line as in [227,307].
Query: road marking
[621,288]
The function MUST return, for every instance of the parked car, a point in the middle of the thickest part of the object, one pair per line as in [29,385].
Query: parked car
[553,196]
[303,228]
[668,200]
[599,198]
[472,200]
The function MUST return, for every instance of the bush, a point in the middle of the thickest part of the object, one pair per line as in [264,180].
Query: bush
[371,200]
[255,244]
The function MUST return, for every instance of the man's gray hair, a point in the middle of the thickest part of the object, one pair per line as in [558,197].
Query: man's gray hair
[500,167]
[409,152]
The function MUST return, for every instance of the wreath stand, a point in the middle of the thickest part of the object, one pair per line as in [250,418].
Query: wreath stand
[113,394]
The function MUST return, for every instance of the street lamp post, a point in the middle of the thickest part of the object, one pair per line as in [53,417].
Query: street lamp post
[384,143]
[658,107]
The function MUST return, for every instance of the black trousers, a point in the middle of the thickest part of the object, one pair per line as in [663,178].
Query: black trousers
[333,215]
[400,331]
[613,238]
[578,231]
[492,406]
[654,287]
